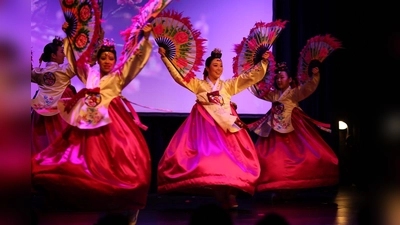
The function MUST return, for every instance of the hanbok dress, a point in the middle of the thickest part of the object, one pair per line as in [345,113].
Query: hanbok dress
[291,151]
[211,148]
[54,83]
[102,160]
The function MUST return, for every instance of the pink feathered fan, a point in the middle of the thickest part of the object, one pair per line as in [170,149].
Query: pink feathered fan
[249,52]
[184,47]
[317,48]
[133,34]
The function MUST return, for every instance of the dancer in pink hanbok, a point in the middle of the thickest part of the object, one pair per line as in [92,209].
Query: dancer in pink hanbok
[292,153]
[102,160]
[211,153]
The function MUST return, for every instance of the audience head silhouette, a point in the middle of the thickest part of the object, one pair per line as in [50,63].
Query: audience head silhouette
[210,214]
[272,219]
[113,219]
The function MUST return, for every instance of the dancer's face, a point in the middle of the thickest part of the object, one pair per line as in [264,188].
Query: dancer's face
[215,69]
[59,56]
[282,80]
[106,62]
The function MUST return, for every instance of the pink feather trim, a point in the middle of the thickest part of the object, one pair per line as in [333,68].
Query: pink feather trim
[86,56]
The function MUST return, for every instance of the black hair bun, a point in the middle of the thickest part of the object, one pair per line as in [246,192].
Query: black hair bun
[57,41]
[281,67]
[216,53]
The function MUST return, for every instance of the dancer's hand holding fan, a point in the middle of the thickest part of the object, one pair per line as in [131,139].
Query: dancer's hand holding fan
[84,27]
[249,52]
[183,45]
[133,34]
[317,49]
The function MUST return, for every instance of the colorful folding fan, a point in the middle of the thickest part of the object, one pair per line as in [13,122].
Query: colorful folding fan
[83,32]
[317,48]
[183,45]
[133,34]
[249,52]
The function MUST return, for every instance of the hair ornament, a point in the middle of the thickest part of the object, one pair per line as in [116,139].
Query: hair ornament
[108,45]
[216,53]
[281,67]
[58,41]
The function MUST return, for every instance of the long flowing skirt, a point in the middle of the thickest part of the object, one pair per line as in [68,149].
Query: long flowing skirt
[296,160]
[45,129]
[103,168]
[201,155]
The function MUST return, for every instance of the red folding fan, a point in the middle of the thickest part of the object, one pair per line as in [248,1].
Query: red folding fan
[84,30]
[183,44]
[249,52]
[317,48]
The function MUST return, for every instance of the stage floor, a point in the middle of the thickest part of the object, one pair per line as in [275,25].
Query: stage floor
[323,206]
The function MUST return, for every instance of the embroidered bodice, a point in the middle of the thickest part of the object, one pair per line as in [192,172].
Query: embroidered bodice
[283,103]
[92,110]
[220,112]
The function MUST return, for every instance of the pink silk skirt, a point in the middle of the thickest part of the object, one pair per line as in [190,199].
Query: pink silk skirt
[104,168]
[295,160]
[201,155]
[45,129]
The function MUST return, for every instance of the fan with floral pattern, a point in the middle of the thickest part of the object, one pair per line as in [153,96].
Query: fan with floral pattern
[83,32]
[249,52]
[133,34]
[317,48]
[183,44]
